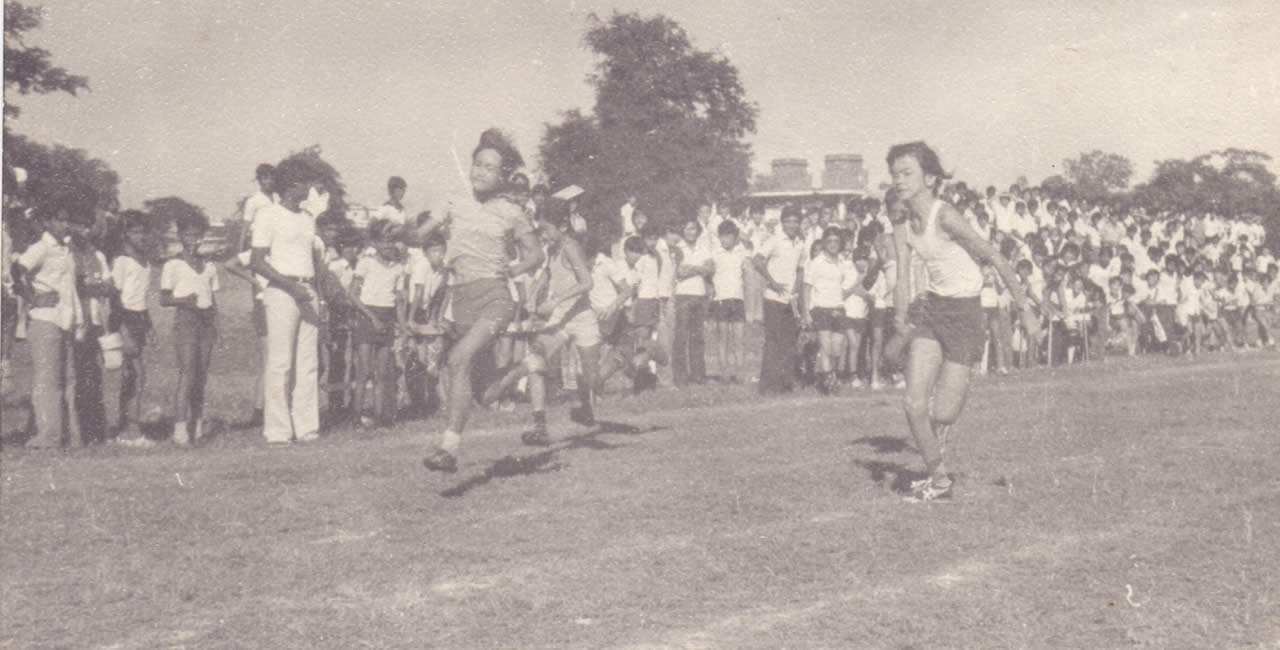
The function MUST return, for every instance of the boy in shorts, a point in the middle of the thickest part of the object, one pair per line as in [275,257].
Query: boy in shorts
[728,309]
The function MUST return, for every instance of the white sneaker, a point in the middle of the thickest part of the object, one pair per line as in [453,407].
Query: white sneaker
[928,490]
[856,384]
[876,385]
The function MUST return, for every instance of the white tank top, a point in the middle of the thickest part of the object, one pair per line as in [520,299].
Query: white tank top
[952,273]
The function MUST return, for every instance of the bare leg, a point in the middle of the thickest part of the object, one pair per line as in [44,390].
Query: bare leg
[923,367]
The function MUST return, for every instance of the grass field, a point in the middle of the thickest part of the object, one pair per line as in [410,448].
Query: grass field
[1125,504]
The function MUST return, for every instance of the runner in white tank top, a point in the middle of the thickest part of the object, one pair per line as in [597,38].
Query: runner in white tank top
[952,271]
[945,331]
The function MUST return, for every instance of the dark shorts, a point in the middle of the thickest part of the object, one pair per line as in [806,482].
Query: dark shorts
[827,319]
[9,312]
[731,310]
[647,312]
[858,325]
[613,327]
[485,302]
[882,318]
[137,324]
[194,326]
[955,323]
[367,332]
[259,318]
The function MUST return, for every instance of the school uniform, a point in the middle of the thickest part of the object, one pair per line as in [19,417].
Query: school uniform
[379,282]
[826,278]
[729,304]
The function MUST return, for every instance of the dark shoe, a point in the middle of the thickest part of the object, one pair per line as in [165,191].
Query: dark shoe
[536,438]
[440,460]
[583,415]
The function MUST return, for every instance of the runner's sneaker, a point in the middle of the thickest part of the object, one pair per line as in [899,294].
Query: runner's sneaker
[929,489]
[856,384]
[536,437]
[440,460]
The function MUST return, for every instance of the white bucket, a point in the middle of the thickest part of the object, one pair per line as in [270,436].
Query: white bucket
[112,350]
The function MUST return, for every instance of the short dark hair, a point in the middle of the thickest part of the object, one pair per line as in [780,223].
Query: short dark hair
[790,212]
[554,212]
[924,155]
[498,141]
[396,183]
[265,171]
[635,245]
[727,228]
[192,221]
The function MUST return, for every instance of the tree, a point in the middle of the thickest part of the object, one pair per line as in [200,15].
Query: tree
[332,180]
[1097,174]
[668,126]
[59,171]
[28,69]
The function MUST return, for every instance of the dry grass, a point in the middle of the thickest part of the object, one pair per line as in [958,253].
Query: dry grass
[1132,504]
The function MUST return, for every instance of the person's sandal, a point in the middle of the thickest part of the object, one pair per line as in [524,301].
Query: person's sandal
[440,460]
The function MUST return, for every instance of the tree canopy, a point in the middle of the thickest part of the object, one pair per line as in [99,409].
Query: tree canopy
[1097,174]
[29,69]
[668,125]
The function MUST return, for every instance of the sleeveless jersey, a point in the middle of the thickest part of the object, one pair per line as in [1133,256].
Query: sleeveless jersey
[952,273]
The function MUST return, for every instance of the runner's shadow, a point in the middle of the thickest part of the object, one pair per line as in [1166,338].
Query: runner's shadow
[547,461]
[883,444]
[895,476]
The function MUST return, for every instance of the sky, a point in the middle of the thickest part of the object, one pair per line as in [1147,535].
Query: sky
[188,97]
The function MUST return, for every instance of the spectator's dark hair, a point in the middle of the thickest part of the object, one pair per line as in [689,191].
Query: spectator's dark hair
[498,141]
[790,212]
[264,171]
[635,245]
[130,219]
[298,170]
[192,221]
[396,183]
[870,231]
[861,252]
[519,183]
[1069,248]
[1023,265]
[927,158]
[651,229]
[435,240]
[727,227]
[685,224]
[380,229]
[833,230]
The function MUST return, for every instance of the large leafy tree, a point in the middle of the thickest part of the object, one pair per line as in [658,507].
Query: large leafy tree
[1097,174]
[1231,182]
[29,69]
[668,125]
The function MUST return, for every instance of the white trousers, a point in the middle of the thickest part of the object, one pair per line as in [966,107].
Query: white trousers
[290,401]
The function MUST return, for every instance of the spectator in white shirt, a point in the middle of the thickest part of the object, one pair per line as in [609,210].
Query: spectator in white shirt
[728,310]
[378,292]
[287,254]
[393,210]
[825,277]
[131,277]
[779,260]
[187,283]
[48,284]
[264,176]
[693,267]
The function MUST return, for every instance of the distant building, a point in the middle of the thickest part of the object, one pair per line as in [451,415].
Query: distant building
[843,179]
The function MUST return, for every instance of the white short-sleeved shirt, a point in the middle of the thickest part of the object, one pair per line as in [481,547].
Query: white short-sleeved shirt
[696,255]
[53,269]
[855,306]
[727,279]
[253,206]
[422,274]
[391,213]
[380,281]
[341,269]
[179,278]
[882,289]
[1167,290]
[826,276]
[646,271]
[666,270]
[290,240]
[606,276]
[783,257]
[132,280]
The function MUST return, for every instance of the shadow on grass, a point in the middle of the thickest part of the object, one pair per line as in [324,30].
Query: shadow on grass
[895,476]
[545,462]
[883,444]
